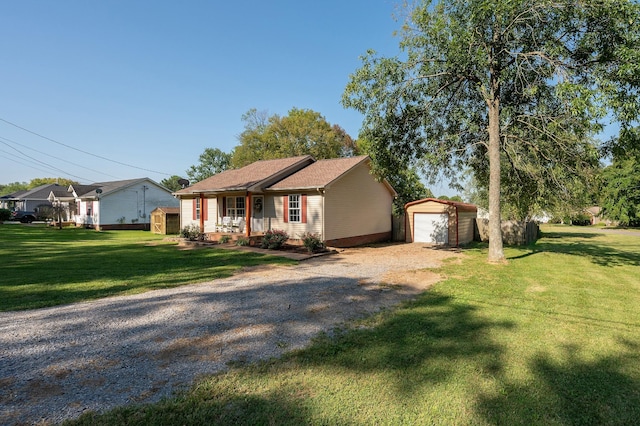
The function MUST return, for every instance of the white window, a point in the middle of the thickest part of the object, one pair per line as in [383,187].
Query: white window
[198,208]
[295,208]
[235,207]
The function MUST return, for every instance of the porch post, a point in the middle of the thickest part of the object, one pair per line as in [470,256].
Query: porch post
[248,205]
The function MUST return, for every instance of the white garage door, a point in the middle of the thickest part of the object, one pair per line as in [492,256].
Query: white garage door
[431,228]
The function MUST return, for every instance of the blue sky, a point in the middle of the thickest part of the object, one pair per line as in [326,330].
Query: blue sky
[153,83]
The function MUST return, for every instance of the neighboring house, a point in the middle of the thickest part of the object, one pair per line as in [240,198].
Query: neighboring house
[337,199]
[594,214]
[124,204]
[29,200]
[9,201]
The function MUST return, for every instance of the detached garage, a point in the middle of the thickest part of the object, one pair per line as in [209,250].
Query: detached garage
[436,221]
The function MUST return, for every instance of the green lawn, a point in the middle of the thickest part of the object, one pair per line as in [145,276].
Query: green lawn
[551,338]
[41,266]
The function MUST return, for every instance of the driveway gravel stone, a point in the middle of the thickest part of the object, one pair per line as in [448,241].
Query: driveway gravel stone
[57,363]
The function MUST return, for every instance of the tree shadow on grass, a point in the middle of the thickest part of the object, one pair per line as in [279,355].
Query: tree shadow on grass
[583,245]
[417,346]
[572,392]
[409,350]
[206,406]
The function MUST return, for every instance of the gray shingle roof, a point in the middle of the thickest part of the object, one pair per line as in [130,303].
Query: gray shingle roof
[40,192]
[89,191]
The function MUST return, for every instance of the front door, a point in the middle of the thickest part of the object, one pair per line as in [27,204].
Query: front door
[257,213]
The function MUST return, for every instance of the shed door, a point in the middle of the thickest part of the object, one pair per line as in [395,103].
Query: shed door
[431,228]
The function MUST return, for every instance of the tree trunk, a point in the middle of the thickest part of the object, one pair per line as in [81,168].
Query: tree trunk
[496,252]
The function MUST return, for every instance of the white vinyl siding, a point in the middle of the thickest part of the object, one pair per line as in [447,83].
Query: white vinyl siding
[186,214]
[357,205]
[274,215]
[134,203]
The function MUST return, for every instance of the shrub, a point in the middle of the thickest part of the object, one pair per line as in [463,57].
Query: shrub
[225,239]
[312,242]
[190,232]
[274,239]
[5,214]
[580,220]
[242,241]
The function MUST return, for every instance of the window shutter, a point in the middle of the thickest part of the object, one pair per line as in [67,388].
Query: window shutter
[205,209]
[195,206]
[303,209]
[224,206]
[285,204]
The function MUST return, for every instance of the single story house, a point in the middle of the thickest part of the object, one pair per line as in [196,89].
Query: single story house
[124,204]
[439,222]
[29,200]
[338,199]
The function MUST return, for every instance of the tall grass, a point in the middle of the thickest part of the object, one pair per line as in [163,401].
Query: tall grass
[551,338]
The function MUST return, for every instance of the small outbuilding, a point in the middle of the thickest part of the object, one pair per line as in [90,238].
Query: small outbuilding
[437,221]
[165,220]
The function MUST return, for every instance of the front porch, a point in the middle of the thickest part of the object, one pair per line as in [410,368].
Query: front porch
[254,239]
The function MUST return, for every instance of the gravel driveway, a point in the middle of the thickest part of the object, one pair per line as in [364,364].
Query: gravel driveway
[57,363]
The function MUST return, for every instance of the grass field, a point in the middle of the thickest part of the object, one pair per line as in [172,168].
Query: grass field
[41,266]
[551,338]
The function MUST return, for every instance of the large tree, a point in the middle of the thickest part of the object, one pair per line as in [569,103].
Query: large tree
[172,183]
[212,161]
[301,132]
[620,188]
[13,187]
[47,181]
[485,84]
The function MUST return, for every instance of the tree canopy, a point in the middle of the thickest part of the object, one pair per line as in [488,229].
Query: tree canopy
[13,187]
[172,183]
[33,183]
[301,132]
[620,189]
[512,90]
[212,161]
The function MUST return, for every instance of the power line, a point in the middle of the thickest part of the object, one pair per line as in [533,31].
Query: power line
[57,158]
[42,162]
[82,151]
[13,158]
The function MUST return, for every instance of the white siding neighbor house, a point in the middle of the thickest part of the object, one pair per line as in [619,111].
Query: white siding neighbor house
[124,204]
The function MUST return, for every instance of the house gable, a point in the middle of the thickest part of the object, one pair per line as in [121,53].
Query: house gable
[253,177]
